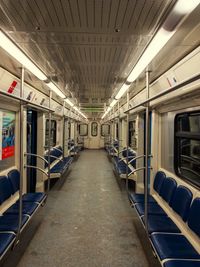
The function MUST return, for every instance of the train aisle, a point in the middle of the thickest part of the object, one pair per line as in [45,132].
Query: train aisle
[87,222]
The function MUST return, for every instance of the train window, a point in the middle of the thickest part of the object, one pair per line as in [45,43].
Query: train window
[83,129]
[53,132]
[187,147]
[105,129]
[7,139]
[94,129]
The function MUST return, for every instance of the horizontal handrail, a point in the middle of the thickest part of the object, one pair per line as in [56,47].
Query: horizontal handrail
[28,102]
[37,168]
[36,155]
[54,157]
[138,169]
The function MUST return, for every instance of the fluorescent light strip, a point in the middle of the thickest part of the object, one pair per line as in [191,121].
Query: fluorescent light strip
[113,103]
[17,53]
[56,90]
[185,6]
[123,89]
[9,46]
[69,102]
[157,43]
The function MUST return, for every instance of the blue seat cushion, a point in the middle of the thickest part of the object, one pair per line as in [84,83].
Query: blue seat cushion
[181,263]
[194,216]
[5,189]
[158,223]
[153,208]
[174,246]
[158,181]
[10,222]
[168,189]
[34,197]
[182,207]
[62,165]
[5,240]
[27,208]
[14,178]
[139,198]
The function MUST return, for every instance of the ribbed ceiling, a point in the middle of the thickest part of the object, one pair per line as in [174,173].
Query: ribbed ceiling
[87,46]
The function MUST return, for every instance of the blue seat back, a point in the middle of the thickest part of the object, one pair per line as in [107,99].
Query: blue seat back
[158,181]
[181,201]
[5,189]
[167,189]
[194,216]
[14,179]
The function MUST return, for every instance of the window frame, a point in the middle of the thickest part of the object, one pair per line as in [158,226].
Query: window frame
[104,135]
[178,135]
[92,134]
[54,136]
[79,126]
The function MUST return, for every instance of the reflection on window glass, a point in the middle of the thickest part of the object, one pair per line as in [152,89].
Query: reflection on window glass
[53,133]
[94,129]
[83,129]
[105,129]
[187,147]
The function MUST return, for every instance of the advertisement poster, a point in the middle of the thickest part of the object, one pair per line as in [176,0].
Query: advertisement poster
[7,129]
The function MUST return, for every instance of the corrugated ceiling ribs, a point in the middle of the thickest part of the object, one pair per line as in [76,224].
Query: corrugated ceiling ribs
[90,45]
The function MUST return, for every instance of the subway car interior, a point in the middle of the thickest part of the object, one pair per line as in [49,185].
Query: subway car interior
[100,133]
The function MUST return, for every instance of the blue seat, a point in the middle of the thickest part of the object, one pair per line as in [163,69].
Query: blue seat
[162,224]
[38,197]
[153,208]
[27,208]
[167,189]
[139,198]
[182,263]
[10,222]
[174,246]
[5,189]
[6,240]
[158,181]
[14,179]
[181,202]
[194,216]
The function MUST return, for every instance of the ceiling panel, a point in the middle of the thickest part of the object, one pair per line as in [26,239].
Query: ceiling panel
[88,46]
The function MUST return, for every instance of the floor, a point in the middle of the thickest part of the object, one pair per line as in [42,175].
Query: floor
[86,222]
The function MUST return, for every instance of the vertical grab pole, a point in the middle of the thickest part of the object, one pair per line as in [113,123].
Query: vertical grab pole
[49,143]
[63,129]
[127,141]
[118,107]
[146,183]
[21,151]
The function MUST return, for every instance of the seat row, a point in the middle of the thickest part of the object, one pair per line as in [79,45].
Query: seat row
[122,159]
[58,163]
[120,162]
[172,247]
[9,218]
[73,148]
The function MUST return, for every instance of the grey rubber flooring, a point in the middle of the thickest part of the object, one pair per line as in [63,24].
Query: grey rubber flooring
[87,222]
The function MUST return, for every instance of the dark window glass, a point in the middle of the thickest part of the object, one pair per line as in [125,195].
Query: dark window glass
[94,129]
[105,130]
[53,132]
[83,129]
[187,147]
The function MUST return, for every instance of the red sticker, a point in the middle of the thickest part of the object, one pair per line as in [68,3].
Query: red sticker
[12,87]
